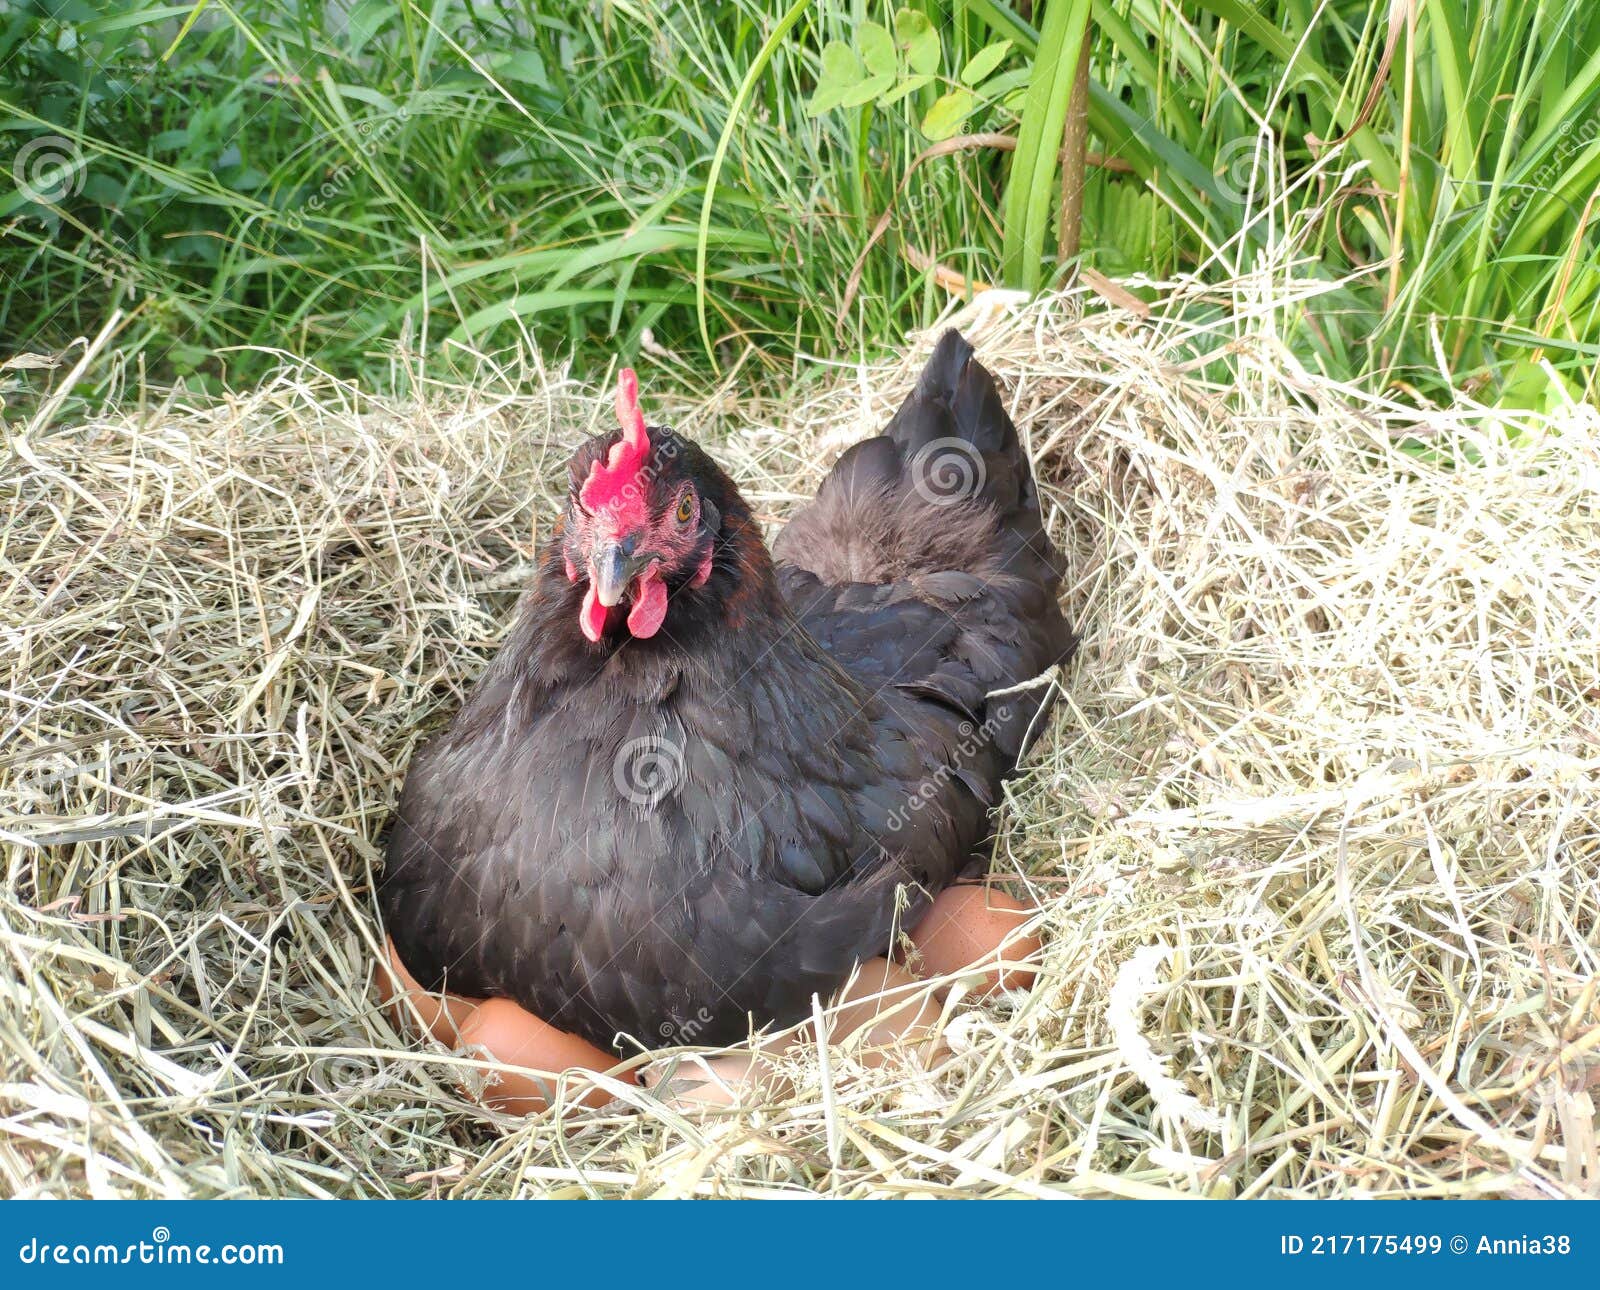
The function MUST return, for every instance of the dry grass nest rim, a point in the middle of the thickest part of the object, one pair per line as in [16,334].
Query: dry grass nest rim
[1315,830]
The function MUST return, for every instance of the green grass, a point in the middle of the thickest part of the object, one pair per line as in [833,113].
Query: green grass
[255,174]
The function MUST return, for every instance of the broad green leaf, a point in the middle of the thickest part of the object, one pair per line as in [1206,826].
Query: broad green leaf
[908,86]
[1030,185]
[1538,387]
[947,114]
[840,65]
[1002,17]
[984,61]
[877,49]
[138,18]
[841,72]
[918,41]
[869,89]
[524,66]
[367,18]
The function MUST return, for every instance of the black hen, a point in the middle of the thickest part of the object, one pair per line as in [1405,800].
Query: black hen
[698,786]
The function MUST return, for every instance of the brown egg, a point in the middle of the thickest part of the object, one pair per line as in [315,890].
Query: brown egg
[970,926]
[515,1037]
[883,1011]
[443,1015]
[511,1035]
[723,1079]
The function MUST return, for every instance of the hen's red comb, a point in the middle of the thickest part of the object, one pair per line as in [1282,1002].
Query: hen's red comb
[629,415]
[611,486]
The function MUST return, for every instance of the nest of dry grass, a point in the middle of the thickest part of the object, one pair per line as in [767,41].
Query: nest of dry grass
[1316,832]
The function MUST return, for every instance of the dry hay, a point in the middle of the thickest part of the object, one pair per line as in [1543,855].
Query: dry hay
[1316,830]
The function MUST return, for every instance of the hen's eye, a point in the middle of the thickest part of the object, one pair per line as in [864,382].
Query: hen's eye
[685,508]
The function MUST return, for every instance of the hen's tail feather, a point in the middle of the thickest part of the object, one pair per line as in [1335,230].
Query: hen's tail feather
[954,398]
[947,488]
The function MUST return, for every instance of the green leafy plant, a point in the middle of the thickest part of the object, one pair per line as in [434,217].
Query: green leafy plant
[735,181]
[884,67]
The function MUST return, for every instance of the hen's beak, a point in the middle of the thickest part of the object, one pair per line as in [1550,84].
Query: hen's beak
[612,568]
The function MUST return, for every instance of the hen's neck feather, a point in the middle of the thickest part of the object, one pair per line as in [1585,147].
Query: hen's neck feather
[736,629]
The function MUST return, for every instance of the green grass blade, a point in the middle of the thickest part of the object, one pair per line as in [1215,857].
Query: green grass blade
[1030,190]
[735,110]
